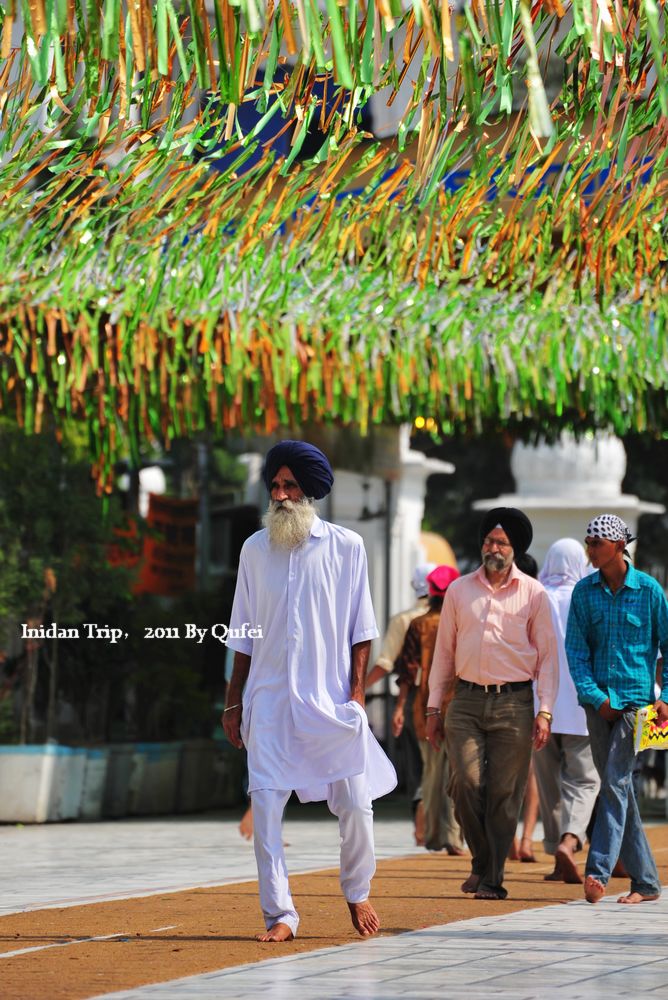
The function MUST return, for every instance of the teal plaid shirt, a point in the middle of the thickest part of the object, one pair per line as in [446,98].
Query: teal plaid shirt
[612,640]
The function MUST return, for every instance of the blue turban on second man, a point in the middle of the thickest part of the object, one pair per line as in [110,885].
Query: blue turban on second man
[308,465]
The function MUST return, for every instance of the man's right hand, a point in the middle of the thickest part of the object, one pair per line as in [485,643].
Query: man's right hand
[608,713]
[398,721]
[435,731]
[232,726]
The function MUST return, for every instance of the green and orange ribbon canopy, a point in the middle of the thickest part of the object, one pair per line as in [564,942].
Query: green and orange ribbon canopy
[199,229]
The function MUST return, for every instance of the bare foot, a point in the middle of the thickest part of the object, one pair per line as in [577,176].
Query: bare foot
[525,852]
[594,890]
[488,894]
[279,932]
[514,852]
[365,918]
[637,897]
[455,852]
[557,874]
[569,870]
[471,884]
[246,825]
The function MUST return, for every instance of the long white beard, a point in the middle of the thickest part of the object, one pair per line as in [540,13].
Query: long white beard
[289,522]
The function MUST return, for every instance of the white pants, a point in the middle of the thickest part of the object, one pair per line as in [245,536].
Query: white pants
[349,800]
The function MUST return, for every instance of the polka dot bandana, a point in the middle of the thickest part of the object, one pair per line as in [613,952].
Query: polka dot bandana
[610,527]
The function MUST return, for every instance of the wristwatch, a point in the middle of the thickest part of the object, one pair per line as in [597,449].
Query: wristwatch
[546,715]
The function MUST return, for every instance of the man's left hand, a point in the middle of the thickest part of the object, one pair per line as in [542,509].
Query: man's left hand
[359,698]
[541,732]
[232,726]
[434,734]
[661,709]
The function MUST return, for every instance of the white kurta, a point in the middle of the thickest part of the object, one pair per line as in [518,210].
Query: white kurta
[313,604]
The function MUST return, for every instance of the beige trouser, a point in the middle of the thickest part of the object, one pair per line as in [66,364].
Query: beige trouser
[441,827]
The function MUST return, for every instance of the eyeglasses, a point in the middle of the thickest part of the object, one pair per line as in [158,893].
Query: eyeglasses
[489,542]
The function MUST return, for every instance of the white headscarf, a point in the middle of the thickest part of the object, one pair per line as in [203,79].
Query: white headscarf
[565,564]
[419,580]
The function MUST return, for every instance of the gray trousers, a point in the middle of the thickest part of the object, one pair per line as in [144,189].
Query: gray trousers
[488,739]
[568,784]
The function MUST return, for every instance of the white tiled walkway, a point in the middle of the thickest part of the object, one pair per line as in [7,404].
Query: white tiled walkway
[66,864]
[568,952]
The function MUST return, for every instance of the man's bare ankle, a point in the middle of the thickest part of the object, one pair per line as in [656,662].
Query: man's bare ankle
[638,897]
[276,933]
[471,883]
[364,917]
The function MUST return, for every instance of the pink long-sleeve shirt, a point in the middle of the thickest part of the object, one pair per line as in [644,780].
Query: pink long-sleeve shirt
[495,636]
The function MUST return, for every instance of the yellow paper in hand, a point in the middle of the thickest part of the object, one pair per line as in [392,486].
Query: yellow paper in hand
[646,733]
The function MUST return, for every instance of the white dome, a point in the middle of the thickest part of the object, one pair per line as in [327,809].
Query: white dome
[575,469]
[560,487]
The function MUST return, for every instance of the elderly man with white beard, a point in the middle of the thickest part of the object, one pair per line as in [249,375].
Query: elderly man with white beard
[296,697]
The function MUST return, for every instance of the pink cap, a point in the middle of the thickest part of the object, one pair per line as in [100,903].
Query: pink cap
[440,579]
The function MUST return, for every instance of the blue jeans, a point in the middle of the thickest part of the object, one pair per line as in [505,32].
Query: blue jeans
[618,831]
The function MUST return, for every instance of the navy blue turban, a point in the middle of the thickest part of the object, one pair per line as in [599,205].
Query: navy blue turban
[307,464]
[515,524]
